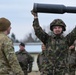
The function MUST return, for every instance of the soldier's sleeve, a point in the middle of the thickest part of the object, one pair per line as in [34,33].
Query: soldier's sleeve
[29,57]
[71,37]
[42,35]
[30,62]
[11,58]
[30,67]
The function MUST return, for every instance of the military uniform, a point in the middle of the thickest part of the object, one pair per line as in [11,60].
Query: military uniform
[9,64]
[41,61]
[25,60]
[72,61]
[57,47]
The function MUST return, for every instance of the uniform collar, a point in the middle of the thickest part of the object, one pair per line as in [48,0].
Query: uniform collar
[2,33]
[57,36]
[22,51]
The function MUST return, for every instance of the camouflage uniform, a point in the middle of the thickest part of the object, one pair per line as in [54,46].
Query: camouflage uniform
[9,64]
[41,60]
[25,60]
[57,47]
[8,61]
[72,61]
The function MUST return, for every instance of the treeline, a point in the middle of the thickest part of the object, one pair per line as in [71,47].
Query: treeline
[29,38]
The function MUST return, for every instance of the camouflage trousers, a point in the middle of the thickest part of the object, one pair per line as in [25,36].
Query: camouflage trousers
[53,72]
[9,73]
[71,71]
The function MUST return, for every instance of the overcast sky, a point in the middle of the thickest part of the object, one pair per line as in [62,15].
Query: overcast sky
[18,12]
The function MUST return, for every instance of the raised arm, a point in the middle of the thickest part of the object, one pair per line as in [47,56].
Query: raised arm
[71,37]
[43,36]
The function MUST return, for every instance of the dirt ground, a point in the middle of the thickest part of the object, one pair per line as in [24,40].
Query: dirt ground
[38,73]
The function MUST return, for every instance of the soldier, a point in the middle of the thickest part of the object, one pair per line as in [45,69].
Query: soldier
[9,64]
[56,44]
[42,60]
[25,59]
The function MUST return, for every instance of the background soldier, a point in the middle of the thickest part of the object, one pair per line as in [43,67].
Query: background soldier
[25,59]
[42,60]
[56,44]
[41,57]
[8,61]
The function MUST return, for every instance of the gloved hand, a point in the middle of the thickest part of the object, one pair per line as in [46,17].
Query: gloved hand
[34,13]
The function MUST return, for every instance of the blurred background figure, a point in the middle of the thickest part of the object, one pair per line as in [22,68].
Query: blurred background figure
[41,57]
[25,59]
[42,61]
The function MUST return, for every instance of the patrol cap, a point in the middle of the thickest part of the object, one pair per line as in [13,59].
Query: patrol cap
[22,44]
[58,22]
[4,24]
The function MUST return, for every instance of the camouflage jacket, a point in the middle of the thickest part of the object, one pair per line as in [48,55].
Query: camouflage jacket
[8,61]
[57,46]
[25,59]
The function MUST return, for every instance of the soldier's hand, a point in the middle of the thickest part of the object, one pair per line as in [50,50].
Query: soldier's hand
[72,47]
[34,13]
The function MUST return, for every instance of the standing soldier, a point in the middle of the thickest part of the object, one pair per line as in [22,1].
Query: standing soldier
[42,60]
[56,44]
[25,59]
[8,61]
